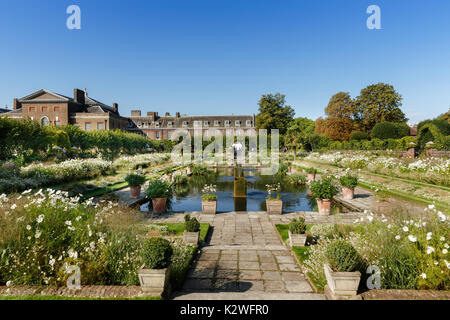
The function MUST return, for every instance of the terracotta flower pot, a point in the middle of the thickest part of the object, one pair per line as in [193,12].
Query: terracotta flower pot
[324,206]
[159,205]
[135,191]
[348,193]
[310,176]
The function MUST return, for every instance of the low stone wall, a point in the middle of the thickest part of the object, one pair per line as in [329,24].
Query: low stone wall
[405,295]
[85,291]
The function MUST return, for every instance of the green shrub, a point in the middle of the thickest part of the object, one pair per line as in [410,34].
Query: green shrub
[297,179]
[323,189]
[359,135]
[386,130]
[297,226]
[158,188]
[180,179]
[135,180]
[343,257]
[311,170]
[349,181]
[156,253]
[191,224]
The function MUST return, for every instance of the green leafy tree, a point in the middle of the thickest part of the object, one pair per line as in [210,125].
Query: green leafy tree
[273,113]
[377,103]
[297,133]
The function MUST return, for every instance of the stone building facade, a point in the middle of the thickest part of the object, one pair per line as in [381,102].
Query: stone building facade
[50,108]
[162,127]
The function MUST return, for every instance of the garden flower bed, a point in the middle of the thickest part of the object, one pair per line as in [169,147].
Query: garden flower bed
[430,170]
[411,253]
[42,234]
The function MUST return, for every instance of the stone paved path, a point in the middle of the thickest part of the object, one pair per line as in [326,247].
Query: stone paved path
[245,259]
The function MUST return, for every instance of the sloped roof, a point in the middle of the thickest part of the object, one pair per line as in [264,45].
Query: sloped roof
[38,93]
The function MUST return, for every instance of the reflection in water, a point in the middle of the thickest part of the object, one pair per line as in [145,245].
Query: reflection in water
[188,197]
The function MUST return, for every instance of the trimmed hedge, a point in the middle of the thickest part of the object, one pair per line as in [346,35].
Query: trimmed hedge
[390,130]
[402,144]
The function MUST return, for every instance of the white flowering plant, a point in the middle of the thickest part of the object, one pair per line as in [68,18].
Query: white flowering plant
[209,192]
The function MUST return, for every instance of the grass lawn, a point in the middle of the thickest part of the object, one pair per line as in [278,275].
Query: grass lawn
[71,298]
[284,228]
[178,229]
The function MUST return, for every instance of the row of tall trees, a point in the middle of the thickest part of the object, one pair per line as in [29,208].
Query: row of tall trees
[376,103]
[344,116]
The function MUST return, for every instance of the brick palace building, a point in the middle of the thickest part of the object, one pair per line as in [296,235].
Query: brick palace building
[50,108]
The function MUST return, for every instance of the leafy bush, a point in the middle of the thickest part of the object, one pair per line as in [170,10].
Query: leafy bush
[297,179]
[359,135]
[156,253]
[135,180]
[389,130]
[191,224]
[348,181]
[311,170]
[180,179]
[323,189]
[297,226]
[342,257]
[158,188]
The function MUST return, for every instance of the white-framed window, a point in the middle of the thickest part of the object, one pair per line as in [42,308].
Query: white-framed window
[87,126]
[185,123]
[206,123]
[237,123]
[157,135]
[169,135]
[216,123]
[45,121]
[227,123]
[248,123]
[157,124]
[100,126]
[197,123]
[169,124]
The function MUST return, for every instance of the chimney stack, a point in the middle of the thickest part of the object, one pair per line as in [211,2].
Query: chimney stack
[116,108]
[177,114]
[79,95]
[16,104]
[167,114]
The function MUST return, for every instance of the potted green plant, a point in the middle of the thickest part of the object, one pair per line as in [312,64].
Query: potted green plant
[342,268]
[191,233]
[156,254]
[297,232]
[323,190]
[135,181]
[274,204]
[159,191]
[209,199]
[311,174]
[348,183]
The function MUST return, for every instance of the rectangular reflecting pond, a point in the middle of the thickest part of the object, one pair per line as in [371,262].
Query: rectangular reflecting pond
[188,197]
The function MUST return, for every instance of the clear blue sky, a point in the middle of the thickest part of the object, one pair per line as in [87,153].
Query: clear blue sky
[220,56]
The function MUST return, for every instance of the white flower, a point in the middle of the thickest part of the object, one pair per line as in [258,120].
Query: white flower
[68,222]
[412,238]
[442,239]
[370,218]
[389,226]
[397,237]
[40,218]
[52,262]
[446,246]
[431,206]
[38,234]
[429,234]
[447,263]
[444,251]
[28,227]
[13,206]
[430,250]
[405,228]
[8,283]
[423,276]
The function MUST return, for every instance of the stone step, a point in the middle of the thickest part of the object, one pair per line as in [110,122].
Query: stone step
[253,295]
